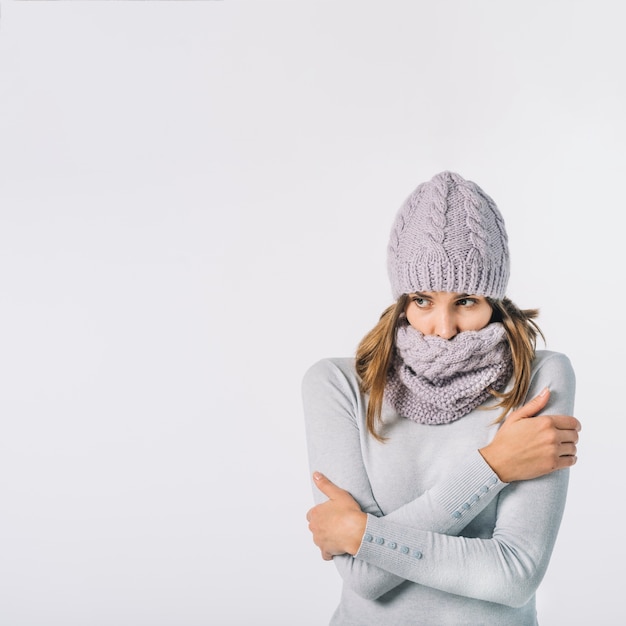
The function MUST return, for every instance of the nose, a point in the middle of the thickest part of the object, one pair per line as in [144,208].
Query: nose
[445,326]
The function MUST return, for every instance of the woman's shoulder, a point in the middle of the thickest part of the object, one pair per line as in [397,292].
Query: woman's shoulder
[555,371]
[337,374]
[551,359]
[332,380]
[328,369]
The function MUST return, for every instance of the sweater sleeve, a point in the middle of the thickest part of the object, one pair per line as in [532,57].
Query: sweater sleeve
[331,404]
[506,568]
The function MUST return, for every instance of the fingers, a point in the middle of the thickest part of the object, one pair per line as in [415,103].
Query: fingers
[568,436]
[568,461]
[327,487]
[532,407]
[566,422]
[567,449]
[560,431]
[327,556]
[561,428]
[565,460]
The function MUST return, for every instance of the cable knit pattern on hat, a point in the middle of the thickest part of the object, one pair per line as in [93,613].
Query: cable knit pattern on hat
[437,381]
[448,236]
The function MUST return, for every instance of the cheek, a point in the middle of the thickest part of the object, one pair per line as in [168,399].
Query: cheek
[480,320]
[417,321]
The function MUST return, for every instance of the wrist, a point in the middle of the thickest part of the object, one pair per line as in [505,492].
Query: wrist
[358,522]
[495,463]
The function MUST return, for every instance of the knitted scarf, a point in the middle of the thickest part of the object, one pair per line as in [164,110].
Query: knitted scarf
[437,381]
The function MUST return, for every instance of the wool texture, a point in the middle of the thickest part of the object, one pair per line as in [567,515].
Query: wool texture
[437,381]
[449,235]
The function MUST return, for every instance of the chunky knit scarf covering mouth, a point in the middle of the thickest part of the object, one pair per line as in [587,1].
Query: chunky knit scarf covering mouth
[437,381]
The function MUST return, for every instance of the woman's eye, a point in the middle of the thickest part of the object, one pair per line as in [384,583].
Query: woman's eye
[421,302]
[466,302]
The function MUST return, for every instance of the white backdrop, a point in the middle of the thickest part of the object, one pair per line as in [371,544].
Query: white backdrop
[195,199]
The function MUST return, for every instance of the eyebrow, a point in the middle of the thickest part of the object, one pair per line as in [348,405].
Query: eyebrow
[421,294]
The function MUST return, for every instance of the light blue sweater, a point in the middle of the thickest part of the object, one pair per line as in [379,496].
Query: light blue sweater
[447,543]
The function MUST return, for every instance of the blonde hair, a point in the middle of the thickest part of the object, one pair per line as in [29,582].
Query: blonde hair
[375,352]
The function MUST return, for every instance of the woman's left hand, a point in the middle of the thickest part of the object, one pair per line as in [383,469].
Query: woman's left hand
[338,524]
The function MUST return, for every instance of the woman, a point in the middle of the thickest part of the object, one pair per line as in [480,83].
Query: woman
[439,492]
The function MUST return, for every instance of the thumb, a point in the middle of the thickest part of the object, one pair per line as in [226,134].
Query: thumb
[532,407]
[327,487]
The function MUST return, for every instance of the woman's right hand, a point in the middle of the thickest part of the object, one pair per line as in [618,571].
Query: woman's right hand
[526,446]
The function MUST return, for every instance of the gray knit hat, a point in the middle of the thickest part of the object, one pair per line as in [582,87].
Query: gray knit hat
[448,236]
